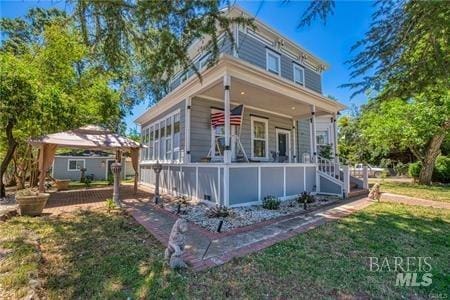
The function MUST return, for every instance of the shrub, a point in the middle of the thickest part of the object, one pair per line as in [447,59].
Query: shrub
[271,202]
[27,192]
[414,169]
[306,197]
[110,204]
[441,172]
[401,168]
[87,181]
[219,212]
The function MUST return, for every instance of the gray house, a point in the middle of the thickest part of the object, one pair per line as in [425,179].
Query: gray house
[69,167]
[247,130]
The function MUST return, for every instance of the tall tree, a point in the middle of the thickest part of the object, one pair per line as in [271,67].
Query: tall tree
[146,42]
[48,83]
[404,55]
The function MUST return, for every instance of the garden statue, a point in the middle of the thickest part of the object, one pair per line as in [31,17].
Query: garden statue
[176,244]
[375,193]
[157,168]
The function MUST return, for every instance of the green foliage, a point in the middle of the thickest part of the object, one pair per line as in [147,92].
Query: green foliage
[110,205]
[110,179]
[87,181]
[305,197]
[146,42]
[441,172]
[271,202]
[325,151]
[414,169]
[401,168]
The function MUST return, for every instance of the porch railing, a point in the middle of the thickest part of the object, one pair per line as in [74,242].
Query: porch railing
[329,167]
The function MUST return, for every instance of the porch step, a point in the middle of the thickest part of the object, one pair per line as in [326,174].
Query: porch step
[358,193]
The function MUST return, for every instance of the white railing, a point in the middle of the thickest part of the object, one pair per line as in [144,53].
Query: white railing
[329,167]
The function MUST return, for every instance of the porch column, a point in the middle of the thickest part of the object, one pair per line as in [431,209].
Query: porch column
[294,140]
[313,134]
[334,128]
[226,108]
[187,134]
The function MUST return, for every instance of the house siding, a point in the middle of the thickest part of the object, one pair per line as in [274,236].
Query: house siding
[201,128]
[303,139]
[254,52]
[94,166]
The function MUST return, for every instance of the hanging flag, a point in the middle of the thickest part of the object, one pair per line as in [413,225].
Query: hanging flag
[218,116]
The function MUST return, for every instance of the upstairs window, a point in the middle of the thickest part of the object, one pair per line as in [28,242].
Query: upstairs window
[299,74]
[272,62]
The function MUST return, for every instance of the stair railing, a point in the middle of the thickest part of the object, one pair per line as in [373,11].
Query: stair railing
[329,167]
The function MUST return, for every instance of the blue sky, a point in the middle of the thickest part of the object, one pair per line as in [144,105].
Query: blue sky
[330,42]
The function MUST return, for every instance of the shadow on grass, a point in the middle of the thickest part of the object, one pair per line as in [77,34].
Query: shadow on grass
[93,254]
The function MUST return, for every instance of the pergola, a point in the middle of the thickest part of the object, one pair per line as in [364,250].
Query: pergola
[89,137]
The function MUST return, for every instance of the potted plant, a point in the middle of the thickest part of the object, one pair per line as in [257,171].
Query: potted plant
[31,203]
[62,184]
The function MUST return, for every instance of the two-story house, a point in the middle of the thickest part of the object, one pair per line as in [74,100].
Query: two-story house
[249,128]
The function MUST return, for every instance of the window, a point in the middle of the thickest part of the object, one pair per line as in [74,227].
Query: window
[75,164]
[272,62]
[163,139]
[203,62]
[299,74]
[176,137]
[322,137]
[219,140]
[260,145]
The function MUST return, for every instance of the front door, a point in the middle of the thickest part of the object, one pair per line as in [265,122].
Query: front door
[283,144]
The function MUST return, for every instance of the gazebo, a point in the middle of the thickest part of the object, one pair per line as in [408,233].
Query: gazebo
[90,137]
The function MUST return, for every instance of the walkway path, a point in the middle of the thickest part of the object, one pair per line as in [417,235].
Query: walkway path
[395,198]
[205,249]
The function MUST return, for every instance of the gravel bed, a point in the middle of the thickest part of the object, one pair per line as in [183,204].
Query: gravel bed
[242,216]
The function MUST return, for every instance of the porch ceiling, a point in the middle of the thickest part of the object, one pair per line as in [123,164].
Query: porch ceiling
[243,92]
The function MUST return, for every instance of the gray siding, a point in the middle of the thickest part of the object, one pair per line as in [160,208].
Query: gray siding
[243,185]
[272,183]
[182,107]
[201,128]
[303,139]
[94,165]
[328,186]
[254,52]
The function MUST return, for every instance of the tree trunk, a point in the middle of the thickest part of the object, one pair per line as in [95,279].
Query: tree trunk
[432,152]
[12,144]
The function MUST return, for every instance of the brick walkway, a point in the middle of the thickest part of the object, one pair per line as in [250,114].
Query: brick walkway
[207,249]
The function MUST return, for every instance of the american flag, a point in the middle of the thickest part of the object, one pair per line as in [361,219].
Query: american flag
[218,116]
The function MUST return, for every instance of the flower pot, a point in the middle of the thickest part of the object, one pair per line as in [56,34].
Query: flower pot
[32,205]
[62,185]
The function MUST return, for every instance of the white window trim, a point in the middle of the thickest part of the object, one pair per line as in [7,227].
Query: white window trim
[75,170]
[328,137]
[266,122]
[268,51]
[294,67]
[288,133]
[155,123]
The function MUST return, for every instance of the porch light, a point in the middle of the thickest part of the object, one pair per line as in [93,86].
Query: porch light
[242,93]
[293,107]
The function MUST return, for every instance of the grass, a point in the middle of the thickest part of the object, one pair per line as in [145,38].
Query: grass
[98,255]
[437,192]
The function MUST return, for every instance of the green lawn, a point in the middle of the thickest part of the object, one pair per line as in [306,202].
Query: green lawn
[437,192]
[97,255]
[75,185]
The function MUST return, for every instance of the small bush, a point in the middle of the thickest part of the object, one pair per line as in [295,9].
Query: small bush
[271,202]
[110,204]
[414,169]
[87,182]
[306,197]
[441,172]
[27,192]
[219,212]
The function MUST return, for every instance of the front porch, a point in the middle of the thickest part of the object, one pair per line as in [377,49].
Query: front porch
[268,148]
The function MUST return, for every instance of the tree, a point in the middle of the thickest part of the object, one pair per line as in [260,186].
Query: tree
[404,55]
[49,85]
[145,42]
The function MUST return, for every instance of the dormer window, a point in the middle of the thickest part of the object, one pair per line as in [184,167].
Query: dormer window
[299,74]
[272,62]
